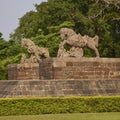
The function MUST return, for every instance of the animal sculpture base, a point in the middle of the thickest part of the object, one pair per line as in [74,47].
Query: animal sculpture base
[24,71]
[67,68]
[63,77]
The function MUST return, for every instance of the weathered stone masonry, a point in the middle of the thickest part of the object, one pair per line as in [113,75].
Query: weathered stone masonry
[24,71]
[63,77]
[84,68]
[59,88]
[68,68]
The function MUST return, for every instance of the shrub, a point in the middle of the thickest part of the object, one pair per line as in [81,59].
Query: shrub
[35,106]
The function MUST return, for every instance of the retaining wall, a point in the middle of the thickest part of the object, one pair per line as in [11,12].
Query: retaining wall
[58,88]
[63,77]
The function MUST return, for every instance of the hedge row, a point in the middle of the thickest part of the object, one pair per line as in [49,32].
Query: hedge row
[35,106]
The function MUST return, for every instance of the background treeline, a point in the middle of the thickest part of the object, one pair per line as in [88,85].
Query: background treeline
[91,17]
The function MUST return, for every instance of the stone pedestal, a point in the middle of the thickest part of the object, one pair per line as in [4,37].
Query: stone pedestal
[80,68]
[24,72]
[67,68]
[63,77]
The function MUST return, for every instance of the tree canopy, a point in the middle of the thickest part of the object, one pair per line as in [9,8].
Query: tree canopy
[91,17]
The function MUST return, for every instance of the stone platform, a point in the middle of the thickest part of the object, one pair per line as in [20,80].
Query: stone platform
[24,72]
[61,77]
[58,88]
[67,68]
[82,68]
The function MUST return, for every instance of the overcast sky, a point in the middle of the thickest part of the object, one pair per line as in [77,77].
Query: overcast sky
[11,11]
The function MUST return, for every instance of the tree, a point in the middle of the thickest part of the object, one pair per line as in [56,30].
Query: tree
[90,17]
[10,52]
[1,36]
[105,15]
[52,40]
[28,26]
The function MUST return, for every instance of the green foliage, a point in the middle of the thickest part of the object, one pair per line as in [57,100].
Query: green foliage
[4,63]
[52,39]
[35,106]
[89,17]
[28,26]
[10,52]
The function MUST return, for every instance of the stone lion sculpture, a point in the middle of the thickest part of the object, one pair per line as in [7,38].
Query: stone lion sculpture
[70,37]
[36,52]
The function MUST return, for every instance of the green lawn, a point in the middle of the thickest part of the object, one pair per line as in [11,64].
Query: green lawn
[77,116]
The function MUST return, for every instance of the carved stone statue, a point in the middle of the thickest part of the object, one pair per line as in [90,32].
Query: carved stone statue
[73,52]
[77,41]
[30,60]
[76,52]
[36,52]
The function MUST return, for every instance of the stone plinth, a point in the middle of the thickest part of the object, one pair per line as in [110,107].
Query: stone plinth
[63,77]
[59,88]
[81,68]
[23,72]
[67,68]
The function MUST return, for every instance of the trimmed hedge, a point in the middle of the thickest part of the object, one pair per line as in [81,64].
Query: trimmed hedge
[35,106]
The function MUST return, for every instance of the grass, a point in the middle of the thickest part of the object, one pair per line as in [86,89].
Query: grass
[76,116]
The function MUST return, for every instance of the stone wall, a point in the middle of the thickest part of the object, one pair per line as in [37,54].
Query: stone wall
[82,68]
[23,72]
[59,88]
[63,77]
[67,68]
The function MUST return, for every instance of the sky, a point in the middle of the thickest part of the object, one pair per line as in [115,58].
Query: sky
[11,11]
